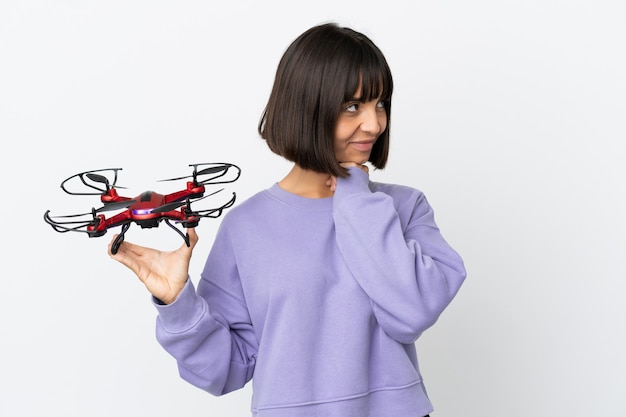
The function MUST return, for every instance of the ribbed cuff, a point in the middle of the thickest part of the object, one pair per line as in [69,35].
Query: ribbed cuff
[184,312]
[356,183]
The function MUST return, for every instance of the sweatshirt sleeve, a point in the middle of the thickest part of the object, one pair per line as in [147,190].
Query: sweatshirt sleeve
[212,353]
[397,254]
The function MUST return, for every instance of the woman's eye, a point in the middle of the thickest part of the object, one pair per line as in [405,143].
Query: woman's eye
[380,105]
[352,107]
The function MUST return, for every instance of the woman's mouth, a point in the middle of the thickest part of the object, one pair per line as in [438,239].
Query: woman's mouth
[363,146]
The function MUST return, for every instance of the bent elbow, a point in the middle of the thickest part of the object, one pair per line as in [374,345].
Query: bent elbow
[408,329]
[218,382]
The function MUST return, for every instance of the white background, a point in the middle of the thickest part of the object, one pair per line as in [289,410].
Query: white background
[509,115]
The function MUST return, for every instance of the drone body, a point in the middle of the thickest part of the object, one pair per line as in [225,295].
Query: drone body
[144,209]
[149,208]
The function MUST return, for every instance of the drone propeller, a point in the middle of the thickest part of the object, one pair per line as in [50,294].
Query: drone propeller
[117,205]
[71,225]
[176,204]
[217,170]
[91,180]
[98,178]
[212,170]
[169,206]
[102,179]
[214,212]
[205,171]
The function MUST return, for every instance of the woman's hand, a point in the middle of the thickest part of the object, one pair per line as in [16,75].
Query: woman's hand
[331,182]
[163,273]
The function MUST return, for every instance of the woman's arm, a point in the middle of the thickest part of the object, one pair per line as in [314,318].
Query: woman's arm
[397,254]
[212,353]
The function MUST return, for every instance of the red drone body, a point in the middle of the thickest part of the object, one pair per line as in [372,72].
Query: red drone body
[147,209]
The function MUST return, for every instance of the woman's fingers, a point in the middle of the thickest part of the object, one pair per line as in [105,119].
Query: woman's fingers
[331,183]
[355,164]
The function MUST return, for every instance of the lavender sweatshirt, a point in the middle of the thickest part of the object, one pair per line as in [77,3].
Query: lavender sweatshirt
[321,300]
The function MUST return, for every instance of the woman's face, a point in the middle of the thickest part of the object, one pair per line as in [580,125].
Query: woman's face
[358,126]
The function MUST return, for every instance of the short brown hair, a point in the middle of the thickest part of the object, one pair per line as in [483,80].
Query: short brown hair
[318,73]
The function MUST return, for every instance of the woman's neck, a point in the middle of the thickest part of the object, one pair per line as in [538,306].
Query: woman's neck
[306,183]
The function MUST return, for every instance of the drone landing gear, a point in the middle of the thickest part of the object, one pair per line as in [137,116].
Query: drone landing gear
[119,239]
[185,236]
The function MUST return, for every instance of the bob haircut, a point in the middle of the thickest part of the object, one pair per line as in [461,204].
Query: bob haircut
[317,75]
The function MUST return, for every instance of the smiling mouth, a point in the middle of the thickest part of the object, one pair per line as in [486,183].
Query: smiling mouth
[363,146]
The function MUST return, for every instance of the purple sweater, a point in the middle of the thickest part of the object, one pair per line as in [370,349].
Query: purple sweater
[321,300]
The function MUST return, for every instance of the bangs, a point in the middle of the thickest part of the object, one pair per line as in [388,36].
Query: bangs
[371,73]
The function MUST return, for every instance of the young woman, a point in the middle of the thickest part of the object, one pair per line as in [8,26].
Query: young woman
[317,288]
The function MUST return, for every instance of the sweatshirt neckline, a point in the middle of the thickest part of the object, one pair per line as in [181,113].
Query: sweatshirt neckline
[314,204]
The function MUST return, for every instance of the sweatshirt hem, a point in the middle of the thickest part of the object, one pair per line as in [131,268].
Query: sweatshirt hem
[348,398]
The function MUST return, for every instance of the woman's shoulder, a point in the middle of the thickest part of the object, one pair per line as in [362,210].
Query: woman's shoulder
[396,191]
[249,207]
[410,203]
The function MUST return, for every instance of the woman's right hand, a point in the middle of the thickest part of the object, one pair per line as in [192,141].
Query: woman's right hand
[331,182]
[163,273]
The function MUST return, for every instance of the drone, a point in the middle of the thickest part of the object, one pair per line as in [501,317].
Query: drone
[149,208]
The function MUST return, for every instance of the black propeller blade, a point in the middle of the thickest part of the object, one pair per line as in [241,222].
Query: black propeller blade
[68,216]
[209,170]
[212,170]
[176,204]
[117,205]
[98,178]
[169,206]
[218,170]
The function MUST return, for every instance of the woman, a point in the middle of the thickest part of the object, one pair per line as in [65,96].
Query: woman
[320,285]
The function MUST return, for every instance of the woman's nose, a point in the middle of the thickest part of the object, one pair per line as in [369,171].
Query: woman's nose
[372,120]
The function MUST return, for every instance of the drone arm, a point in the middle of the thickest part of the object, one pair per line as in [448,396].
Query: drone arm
[119,219]
[192,191]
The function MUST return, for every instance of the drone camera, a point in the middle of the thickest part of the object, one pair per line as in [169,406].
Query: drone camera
[148,223]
